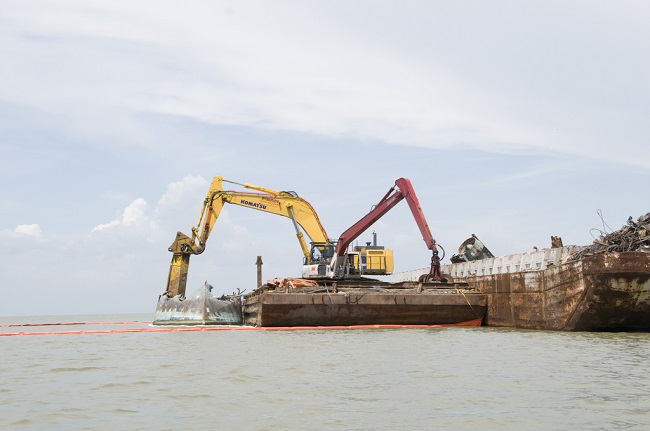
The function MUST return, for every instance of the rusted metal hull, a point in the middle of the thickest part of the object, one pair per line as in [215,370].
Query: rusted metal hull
[599,292]
[362,306]
[201,308]
[605,292]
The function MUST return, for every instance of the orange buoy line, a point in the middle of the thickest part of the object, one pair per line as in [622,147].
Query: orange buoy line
[12,325]
[476,322]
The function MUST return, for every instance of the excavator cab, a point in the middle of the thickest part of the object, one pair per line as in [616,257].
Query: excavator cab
[319,260]
[321,252]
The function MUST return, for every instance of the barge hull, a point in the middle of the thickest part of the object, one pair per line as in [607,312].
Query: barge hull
[547,290]
[601,292]
[271,309]
[616,293]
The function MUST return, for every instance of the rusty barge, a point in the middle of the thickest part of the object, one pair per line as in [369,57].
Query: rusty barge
[365,302]
[350,303]
[550,289]
[602,292]
[564,288]
[601,287]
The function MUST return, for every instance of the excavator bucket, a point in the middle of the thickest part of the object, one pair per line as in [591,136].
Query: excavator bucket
[200,308]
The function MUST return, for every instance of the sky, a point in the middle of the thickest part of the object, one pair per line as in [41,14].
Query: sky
[514,121]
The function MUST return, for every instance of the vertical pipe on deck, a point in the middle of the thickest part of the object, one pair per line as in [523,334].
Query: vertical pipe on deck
[259,270]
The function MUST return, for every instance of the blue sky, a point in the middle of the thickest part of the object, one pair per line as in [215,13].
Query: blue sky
[514,121]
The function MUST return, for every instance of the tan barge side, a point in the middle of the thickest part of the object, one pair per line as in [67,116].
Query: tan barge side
[408,304]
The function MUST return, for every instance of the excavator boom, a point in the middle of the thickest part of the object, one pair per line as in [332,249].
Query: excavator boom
[287,204]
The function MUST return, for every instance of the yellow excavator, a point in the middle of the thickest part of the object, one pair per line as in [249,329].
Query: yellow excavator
[283,203]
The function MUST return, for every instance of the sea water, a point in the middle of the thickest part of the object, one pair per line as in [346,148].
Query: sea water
[372,379]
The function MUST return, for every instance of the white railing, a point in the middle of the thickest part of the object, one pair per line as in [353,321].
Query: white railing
[532,261]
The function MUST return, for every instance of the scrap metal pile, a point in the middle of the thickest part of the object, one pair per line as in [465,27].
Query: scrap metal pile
[634,236]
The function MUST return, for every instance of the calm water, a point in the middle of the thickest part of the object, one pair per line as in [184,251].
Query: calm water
[454,378]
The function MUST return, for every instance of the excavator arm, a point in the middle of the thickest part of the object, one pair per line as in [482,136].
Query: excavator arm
[287,204]
[401,190]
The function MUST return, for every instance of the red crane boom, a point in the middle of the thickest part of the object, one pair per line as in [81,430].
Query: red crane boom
[401,190]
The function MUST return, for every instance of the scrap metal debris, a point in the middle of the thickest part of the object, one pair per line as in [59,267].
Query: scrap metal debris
[200,308]
[289,282]
[634,236]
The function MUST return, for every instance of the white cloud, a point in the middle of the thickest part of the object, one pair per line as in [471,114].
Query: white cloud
[32,230]
[177,193]
[493,78]
[239,239]
[134,214]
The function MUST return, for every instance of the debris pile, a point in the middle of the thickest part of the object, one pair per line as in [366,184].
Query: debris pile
[634,236]
[289,282]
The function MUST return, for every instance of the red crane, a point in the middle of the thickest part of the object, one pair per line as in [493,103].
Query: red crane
[401,190]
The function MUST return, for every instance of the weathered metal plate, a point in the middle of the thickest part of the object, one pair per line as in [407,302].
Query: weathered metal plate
[603,292]
[361,307]
[616,293]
